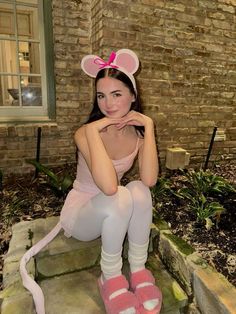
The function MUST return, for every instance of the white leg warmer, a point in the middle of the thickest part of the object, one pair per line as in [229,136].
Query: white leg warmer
[137,256]
[111,264]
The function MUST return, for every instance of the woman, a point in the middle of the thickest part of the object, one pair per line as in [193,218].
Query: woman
[98,205]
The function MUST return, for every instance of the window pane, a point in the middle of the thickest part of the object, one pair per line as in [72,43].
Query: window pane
[9,92]
[29,58]
[23,56]
[27,22]
[31,91]
[7,20]
[8,61]
[34,58]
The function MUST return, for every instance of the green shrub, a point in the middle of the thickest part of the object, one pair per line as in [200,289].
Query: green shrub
[60,184]
[208,183]
[161,189]
[202,189]
[14,208]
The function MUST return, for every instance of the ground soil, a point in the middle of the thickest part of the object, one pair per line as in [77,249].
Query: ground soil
[26,198]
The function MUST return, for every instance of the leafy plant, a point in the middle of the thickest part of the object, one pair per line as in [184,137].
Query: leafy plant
[161,189]
[204,208]
[160,192]
[14,208]
[30,237]
[200,188]
[207,183]
[60,184]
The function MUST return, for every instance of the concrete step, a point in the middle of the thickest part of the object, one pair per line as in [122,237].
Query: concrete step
[67,270]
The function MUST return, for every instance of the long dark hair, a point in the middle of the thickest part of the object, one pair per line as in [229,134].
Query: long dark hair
[96,113]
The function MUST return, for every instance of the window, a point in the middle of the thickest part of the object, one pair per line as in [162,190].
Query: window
[26,73]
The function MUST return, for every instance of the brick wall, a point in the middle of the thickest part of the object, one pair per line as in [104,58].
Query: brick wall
[187,79]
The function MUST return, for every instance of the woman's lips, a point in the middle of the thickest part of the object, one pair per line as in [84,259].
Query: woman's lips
[110,112]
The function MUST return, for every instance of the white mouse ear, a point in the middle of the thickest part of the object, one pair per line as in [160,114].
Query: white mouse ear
[127,59]
[124,60]
[89,66]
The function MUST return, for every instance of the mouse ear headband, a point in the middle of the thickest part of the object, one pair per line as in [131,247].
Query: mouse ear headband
[124,60]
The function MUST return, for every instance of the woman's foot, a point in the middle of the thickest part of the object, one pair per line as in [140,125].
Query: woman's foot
[149,295]
[116,297]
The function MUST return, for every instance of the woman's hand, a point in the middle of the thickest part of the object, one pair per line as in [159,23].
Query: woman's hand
[134,118]
[101,124]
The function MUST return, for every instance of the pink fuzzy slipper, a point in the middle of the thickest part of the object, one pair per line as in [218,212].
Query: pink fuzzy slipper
[120,302]
[146,293]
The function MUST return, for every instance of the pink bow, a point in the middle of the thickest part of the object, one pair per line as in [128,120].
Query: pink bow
[103,64]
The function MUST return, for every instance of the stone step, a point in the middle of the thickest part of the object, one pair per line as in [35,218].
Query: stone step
[67,271]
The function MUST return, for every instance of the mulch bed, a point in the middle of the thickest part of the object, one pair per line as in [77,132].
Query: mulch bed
[26,198]
[216,245]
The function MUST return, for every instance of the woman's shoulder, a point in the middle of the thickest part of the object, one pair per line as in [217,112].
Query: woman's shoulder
[80,130]
[79,136]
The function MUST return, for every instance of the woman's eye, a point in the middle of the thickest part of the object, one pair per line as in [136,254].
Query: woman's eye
[100,96]
[117,95]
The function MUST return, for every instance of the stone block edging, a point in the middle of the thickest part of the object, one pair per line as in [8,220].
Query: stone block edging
[211,291]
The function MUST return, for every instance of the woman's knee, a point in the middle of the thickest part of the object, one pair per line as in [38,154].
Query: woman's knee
[141,194]
[137,187]
[123,204]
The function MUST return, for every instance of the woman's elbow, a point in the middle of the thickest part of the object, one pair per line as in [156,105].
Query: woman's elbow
[150,182]
[110,190]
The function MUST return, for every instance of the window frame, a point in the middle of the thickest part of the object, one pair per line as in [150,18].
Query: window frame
[47,111]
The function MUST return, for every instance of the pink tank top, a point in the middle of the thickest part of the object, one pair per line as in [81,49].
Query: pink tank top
[84,180]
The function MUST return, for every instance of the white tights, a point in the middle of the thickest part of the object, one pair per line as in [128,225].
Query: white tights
[111,217]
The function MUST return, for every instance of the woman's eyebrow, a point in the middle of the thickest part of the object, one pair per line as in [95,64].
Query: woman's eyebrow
[112,92]
[116,91]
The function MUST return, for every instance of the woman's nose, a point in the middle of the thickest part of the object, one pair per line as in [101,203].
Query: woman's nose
[109,102]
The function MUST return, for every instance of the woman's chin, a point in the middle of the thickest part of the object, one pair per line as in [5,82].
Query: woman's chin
[114,115]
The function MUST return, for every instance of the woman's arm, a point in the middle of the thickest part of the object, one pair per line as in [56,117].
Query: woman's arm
[90,144]
[148,161]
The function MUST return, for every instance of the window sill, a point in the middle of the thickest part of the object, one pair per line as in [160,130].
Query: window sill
[28,119]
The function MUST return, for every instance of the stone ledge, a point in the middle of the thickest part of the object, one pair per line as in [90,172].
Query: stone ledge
[61,262]
[21,303]
[211,291]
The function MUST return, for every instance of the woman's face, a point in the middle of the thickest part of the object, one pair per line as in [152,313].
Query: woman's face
[113,97]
